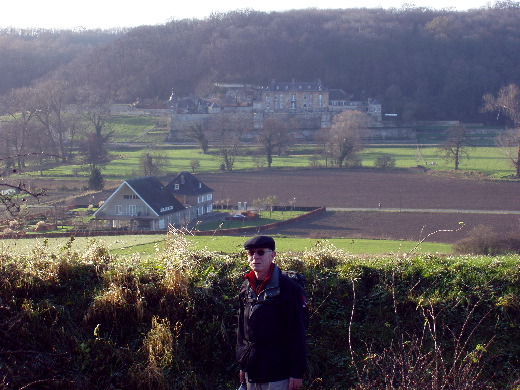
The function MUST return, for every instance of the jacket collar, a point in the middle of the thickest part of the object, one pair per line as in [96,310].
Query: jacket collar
[270,286]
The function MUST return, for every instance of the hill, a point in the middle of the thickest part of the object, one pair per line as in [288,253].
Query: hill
[420,63]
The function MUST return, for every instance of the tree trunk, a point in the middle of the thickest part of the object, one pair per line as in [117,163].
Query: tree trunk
[518,161]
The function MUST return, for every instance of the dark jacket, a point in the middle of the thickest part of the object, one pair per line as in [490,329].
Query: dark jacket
[271,331]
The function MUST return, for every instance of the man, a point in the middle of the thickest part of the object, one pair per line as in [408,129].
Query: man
[271,345]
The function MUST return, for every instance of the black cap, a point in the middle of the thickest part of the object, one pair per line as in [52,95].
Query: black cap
[260,242]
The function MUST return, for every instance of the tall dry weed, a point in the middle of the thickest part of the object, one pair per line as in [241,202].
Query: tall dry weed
[324,255]
[158,343]
[436,358]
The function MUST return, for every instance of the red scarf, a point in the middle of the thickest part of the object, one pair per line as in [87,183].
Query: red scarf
[251,277]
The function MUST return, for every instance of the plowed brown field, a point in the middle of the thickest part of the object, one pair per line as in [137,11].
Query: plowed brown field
[452,199]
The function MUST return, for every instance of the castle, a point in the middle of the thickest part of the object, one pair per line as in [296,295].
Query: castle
[311,104]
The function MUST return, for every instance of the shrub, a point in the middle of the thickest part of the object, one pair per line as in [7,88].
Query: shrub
[41,226]
[92,321]
[314,162]
[483,241]
[14,224]
[384,161]
[353,161]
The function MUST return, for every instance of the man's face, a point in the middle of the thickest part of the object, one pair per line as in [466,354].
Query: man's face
[260,260]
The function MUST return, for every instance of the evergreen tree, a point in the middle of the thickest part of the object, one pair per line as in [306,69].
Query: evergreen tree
[95,180]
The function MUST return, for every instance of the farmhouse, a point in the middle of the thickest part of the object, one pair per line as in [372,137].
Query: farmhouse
[146,204]
[196,196]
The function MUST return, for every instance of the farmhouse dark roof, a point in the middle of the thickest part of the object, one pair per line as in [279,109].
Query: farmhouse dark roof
[155,195]
[187,184]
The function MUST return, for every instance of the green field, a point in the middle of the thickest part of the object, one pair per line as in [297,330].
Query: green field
[125,163]
[134,135]
[147,246]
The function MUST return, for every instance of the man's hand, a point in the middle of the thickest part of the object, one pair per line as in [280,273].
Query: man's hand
[242,376]
[295,383]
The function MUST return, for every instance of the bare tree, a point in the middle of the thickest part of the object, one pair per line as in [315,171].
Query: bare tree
[274,135]
[344,137]
[16,131]
[194,164]
[93,148]
[455,146]
[152,163]
[14,193]
[507,102]
[266,203]
[228,129]
[197,133]
[51,108]
[96,108]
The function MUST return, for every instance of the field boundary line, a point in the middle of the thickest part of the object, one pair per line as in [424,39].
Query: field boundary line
[447,211]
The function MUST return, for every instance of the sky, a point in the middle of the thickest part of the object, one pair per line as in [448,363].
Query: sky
[106,14]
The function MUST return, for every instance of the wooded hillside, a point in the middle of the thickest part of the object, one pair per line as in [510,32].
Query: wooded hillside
[420,63]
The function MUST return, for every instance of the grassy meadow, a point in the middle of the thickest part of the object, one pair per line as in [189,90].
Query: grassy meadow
[147,246]
[488,161]
[134,135]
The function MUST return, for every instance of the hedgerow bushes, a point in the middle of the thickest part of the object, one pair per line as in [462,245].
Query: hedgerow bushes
[73,320]
[482,240]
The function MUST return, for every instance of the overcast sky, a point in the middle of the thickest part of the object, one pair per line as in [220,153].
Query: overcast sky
[68,14]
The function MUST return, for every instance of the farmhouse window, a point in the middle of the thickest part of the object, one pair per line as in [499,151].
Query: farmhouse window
[119,209]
